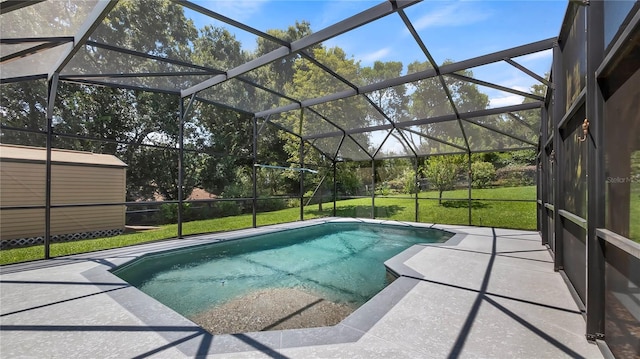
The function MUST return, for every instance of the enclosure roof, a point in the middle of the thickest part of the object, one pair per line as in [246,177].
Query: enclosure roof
[463,82]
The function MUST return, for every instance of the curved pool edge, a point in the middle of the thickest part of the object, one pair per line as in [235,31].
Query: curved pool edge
[351,329]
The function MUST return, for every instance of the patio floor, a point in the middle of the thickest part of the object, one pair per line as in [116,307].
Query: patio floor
[487,293]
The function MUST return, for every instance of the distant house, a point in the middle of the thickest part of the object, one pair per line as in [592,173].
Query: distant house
[199,193]
[196,194]
[76,178]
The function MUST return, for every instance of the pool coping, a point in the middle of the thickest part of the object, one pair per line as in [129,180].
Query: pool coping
[349,330]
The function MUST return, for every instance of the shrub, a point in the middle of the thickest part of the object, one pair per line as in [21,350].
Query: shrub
[516,175]
[229,208]
[271,204]
[409,181]
[348,181]
[482,174]
[383,189]
[396,185]
[169,213]
[442,172]
[238,190]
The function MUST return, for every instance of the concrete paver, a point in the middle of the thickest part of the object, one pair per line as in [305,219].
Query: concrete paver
[491,293]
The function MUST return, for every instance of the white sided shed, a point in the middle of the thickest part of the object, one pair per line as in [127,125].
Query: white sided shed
[76,178]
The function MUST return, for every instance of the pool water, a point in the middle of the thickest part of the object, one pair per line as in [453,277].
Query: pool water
[340,262]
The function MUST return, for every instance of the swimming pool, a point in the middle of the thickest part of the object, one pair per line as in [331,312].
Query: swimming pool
[340,262]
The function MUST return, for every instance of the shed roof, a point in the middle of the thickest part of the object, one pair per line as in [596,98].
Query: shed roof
[39,154]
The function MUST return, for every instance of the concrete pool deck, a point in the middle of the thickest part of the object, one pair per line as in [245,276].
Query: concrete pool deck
[487,293]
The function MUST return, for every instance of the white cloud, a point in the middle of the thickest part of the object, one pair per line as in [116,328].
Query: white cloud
[505,101]
[536,56]
[521,88]
[451,15]
[374,56]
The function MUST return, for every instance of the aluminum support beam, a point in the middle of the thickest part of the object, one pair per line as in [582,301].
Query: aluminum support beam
[335,154]
[466,64]
[365,17]
[343,131]
[493,129]
[180,164]
[381,144]
[543,184]
[417,184]
[497,87]
[427,121]
[13,5]
[435,139]
[517,118]
[119,86]
[528,72]
[469,174]
[135,75]
[332,31]
[145,55]
[373,188]
[183,113]
[93,20]
[429,73]
[53,91]
[596,184]
[301,166]
[328,70]
[214,103]
[255,172]
[226,20]
[335,188]
[24,40]
[27,52]
[558,148]
[332,97]
[500,55]
[435,67]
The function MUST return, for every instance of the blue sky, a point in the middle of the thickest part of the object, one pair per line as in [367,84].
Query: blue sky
[454,30]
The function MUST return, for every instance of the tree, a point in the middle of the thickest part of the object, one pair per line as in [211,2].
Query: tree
[442,172]
[310,81]
[128,24]
[429,100]
[348,182]
[392,100]
[482,174]
[23,106]
[409,181]
[279,74]
[140,119]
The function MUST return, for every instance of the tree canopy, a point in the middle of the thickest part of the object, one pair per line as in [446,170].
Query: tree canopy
[143,128]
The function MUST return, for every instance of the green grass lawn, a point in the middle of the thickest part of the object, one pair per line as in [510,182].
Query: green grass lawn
[520,215]
[507,214]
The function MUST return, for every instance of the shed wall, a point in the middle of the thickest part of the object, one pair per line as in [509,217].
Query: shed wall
[28,223]
[23,184]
